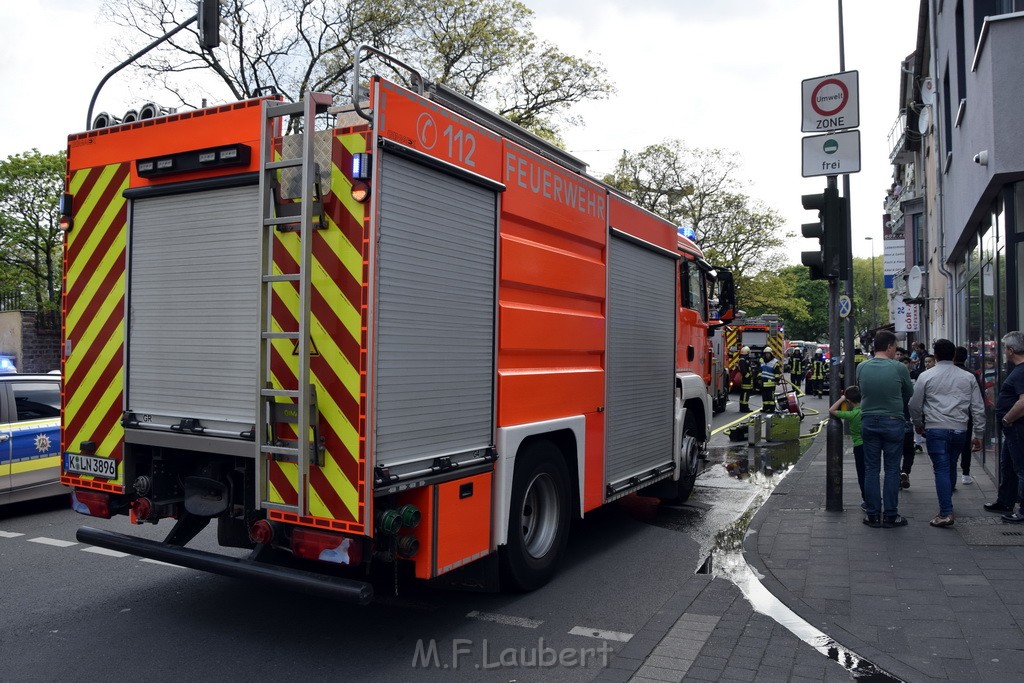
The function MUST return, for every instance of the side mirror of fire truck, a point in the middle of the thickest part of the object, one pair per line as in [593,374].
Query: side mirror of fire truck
[726,295]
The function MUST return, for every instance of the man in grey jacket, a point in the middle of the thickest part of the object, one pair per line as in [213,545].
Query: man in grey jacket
[945,399]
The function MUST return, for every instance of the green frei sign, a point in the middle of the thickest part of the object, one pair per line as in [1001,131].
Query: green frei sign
[830,147]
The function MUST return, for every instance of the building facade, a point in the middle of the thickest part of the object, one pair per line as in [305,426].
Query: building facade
[958,163]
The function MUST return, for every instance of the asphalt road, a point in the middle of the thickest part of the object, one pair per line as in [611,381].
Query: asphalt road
[72,612]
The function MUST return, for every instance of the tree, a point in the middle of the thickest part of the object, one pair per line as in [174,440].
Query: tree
[30,236]
[698,187]
[867,294]
[482,48]
[815,294]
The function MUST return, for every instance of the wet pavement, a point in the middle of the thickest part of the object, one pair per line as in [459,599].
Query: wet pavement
[790,592]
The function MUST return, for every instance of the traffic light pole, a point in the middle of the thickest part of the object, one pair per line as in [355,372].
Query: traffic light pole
[849,325]
[834,429]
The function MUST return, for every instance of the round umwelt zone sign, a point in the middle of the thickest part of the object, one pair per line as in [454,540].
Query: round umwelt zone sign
[830,103]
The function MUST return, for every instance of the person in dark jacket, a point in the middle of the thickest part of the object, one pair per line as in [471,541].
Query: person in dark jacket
[960,360]
[796,367]
[816,382]
[771,375]
[747,375]
[1010,413]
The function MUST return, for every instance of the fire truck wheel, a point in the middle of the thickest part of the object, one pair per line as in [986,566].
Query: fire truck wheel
[538,524]
[691,462]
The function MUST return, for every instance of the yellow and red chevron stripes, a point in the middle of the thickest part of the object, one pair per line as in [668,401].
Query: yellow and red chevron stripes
[336,491]
[94,296]
[732,351]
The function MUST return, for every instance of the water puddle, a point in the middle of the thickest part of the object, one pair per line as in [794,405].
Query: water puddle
[763,468]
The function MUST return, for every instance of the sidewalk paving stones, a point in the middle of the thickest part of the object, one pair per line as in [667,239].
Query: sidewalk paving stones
[920,603]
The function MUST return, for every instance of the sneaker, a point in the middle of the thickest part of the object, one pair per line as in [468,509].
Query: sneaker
[863,506]
[997,507]
[918,449]
[872,521]
[1013,517]
[904,480]
[899,520]
[967,479]
[939,520]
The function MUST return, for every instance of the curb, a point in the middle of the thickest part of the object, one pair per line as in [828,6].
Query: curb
[828,624]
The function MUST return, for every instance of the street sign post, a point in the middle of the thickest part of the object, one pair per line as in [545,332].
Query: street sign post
[830,103]
[845,306]
[832,154]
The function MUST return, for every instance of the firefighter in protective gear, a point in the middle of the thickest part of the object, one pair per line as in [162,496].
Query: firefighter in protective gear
[796,367]
[816,380]
[747,374]
[771,375]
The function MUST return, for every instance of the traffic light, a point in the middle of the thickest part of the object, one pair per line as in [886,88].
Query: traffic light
[209,23]
[815,260]
[830,230]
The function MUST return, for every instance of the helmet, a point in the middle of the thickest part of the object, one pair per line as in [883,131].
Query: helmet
[745,351]
[768,353]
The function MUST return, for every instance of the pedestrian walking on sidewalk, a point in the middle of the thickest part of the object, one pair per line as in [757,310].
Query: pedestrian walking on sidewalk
[960,360]
[1010,413]
[851,397]
[945,399]
[885,389]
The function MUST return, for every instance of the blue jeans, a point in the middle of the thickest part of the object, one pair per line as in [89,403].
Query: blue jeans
[944,445]
[1011,467]
[883,439]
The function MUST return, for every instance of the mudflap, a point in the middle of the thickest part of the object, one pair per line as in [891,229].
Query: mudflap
[480,576]
[335,588]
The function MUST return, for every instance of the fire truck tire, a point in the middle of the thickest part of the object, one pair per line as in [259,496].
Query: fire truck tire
[691,462]
[538,524]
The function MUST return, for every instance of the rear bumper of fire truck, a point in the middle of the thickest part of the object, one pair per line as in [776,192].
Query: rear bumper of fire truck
[335,588]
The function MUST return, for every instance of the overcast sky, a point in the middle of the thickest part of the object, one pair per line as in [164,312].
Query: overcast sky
[714,74]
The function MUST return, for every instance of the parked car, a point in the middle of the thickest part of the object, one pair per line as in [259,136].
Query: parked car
[29,437]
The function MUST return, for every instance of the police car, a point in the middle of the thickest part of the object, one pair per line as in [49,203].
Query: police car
[29,437]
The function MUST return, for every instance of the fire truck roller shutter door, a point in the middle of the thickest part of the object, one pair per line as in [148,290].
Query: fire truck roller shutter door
[191,326]
[434,371]
[641,359]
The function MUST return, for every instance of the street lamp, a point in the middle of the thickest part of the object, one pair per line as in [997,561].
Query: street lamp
[874,289]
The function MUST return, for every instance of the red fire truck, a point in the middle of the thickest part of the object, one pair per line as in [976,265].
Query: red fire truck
[413,333]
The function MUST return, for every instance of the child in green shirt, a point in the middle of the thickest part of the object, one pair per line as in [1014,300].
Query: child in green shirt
[852,398]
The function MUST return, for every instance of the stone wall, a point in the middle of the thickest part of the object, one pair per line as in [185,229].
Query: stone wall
[33,339]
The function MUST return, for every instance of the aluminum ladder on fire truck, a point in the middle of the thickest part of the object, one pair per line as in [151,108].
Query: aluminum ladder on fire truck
[295,405]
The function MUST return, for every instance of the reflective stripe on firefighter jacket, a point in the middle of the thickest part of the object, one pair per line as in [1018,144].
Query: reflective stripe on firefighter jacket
[771,372]
[796,365]
[746,373]
[818,369]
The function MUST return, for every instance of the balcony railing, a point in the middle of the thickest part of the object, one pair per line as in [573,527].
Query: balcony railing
[899,150]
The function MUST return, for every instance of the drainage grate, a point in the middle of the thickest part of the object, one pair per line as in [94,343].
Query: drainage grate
[988,531]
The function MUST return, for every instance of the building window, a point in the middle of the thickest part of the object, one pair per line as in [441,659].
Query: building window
[947,116]
[917,225]
[961,53]
[1004,6]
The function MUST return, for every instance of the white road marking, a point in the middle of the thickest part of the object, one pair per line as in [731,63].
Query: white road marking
[505,619]
[165,564]
[617,636]
[52,541]
[104,551]
[9,534]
